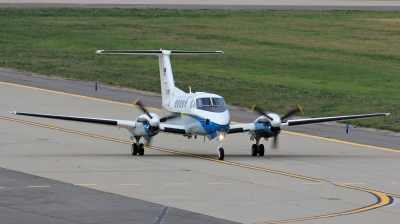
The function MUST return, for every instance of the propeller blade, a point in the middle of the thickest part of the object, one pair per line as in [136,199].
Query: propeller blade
[292,112]
[148,142]
[137,102]
[275,141]
[260,111]
[172,116]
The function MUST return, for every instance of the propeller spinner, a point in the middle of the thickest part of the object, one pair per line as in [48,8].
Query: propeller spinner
[154,120]
[276,121]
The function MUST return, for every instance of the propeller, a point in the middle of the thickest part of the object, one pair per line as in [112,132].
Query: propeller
[276,121]
[153,122]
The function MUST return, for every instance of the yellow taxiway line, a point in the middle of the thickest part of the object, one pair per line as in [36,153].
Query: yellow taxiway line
[383,198]
[233,122]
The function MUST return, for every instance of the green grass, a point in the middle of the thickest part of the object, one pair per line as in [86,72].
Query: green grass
[330,62]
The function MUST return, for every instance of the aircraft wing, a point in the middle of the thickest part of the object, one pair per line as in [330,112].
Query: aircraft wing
[237,128]
[326,119]
[171,128]
[118,123]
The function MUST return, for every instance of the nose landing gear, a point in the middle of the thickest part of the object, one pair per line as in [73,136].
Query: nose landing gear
[257,148]
[220,150]
[137,148]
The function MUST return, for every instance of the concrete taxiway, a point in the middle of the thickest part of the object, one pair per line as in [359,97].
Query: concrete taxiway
[308,179]
[212,4]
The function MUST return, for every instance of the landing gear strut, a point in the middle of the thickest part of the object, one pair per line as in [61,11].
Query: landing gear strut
[220,150]
[137,148]
[257,148]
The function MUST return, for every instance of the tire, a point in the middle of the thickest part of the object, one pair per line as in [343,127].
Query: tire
[261,150]
[221,154]
[141,149]
[134,149]
[254,150]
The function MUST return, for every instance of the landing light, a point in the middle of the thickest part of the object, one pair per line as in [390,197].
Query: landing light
[221,137]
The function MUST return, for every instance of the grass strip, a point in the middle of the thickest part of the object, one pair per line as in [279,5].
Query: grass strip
[330,62]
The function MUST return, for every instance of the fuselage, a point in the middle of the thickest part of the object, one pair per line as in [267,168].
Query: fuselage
[201,113]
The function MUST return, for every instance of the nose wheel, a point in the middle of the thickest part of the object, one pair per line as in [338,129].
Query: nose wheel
[221,154]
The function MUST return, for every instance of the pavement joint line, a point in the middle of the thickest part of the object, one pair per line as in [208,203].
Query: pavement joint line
[44,186]
[233,122]
[264,182]
[129,184]
[383,198]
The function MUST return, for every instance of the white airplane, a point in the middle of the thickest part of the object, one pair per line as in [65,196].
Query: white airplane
[192,114]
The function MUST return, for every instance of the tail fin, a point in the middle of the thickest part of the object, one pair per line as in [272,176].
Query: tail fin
[168,88]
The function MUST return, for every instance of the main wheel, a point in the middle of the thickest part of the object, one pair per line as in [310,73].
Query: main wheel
[141,149]
[254,150]
[221,154]
[134,149]
[261,150]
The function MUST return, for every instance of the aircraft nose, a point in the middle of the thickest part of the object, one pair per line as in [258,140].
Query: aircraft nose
[223,119]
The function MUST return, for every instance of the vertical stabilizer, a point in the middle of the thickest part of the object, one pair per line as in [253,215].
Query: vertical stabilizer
[168,88]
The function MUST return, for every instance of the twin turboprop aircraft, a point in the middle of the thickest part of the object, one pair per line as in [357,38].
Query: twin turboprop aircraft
[192,114]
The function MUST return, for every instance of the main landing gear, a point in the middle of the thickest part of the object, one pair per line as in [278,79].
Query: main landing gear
[137,148]
[257,148]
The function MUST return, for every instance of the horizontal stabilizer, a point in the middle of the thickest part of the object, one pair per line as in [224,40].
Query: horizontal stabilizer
[156,52]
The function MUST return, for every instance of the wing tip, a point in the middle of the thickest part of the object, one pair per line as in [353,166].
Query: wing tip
[99,51]
[12,112]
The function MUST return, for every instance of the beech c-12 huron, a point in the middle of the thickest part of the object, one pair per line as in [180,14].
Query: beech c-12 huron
[192,114]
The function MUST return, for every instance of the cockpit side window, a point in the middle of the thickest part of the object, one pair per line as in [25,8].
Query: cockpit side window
[218,102]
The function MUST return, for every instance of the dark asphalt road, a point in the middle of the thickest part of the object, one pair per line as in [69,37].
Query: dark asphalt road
[63,203]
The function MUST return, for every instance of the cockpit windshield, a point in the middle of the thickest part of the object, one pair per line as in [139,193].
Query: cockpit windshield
[218,102]
[201,102]
[211,104]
